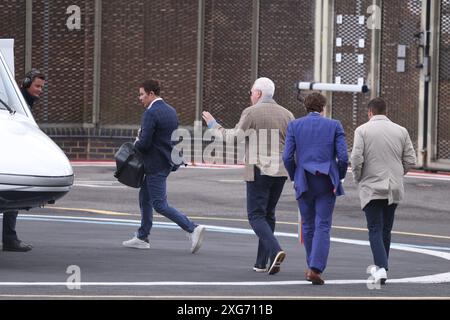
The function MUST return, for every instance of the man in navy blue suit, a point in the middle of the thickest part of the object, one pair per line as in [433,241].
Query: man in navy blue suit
[158,123]
[316,159]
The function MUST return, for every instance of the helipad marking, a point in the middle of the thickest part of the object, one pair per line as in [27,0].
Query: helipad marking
[437,278]
[97,186]
[428,279]
[105,212]
[114,213]
[411,174]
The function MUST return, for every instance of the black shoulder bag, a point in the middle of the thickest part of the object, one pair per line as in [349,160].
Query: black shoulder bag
[129,166]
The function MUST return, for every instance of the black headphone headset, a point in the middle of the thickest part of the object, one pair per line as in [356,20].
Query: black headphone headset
[29,77]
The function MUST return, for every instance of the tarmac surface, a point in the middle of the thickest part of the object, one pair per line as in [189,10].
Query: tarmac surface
[78,250]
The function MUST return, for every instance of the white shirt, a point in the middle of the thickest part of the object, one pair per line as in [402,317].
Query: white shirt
[150,105]
[157,99]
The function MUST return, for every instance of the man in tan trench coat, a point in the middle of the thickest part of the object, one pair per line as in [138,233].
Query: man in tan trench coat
[382,154]
[263,128]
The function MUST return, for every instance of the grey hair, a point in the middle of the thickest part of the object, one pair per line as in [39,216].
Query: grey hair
[266,86]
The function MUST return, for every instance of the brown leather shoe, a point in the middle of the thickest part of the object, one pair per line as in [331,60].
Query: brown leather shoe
[314,277]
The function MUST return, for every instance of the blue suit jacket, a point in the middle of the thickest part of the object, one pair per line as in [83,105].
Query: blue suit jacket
[155,141]
[315,143]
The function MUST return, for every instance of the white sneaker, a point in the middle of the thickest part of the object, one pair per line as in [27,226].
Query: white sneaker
[259,269]
[197,238]
[379,275]
[136,243]
[275,266]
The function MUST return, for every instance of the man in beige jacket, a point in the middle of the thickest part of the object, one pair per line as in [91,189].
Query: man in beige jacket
[263,126]
[382,154]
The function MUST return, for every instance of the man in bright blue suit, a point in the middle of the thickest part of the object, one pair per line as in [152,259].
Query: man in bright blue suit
[316,159]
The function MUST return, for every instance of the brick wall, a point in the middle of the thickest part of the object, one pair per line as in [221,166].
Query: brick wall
[12,26]
[155,39]
[66,57]
[101,144]
[90,144]
[158,39]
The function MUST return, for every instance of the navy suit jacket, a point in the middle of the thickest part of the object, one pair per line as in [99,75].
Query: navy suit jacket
[155,143]
[315,144]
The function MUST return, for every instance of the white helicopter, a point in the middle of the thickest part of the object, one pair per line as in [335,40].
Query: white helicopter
[34,171]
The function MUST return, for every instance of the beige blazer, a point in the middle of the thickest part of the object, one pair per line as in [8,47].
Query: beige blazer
[382,154]
[255,127]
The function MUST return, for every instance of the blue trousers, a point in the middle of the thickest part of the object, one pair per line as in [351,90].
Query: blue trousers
[153,195]
[262,197]
[316,209]
[380,219]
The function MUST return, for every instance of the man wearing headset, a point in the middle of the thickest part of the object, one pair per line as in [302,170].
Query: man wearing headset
[32,86]
[31,89]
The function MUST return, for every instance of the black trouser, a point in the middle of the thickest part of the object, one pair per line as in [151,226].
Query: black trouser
[9,234]
[380,219]
[262,197]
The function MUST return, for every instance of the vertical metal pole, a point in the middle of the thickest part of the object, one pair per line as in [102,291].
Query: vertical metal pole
[375,56]
[28,34]
[46,51]
[433,102]
[424,90]
[97,62]
[317,41]
[200,62]
[327,50]
[198,123]
[255,41]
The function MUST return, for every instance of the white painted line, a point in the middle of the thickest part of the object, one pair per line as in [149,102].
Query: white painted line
[437,278]
[99,186]
[417,175]
[114,213]
[97,181]
[441,278]
[428,279]
[93,164]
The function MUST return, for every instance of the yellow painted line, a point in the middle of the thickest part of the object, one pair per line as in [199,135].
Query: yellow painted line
[398,232]
[106,212]
[113,213]
[421,235]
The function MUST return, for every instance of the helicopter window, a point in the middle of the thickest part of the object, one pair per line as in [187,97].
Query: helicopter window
[3,95]
[9,94]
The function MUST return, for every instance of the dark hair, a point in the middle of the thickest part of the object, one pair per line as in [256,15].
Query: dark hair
[151,85]
[30,76]
[39,76]
[315,102]
[377,106]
